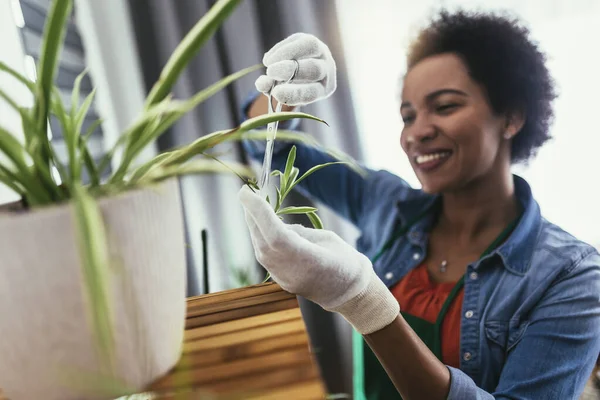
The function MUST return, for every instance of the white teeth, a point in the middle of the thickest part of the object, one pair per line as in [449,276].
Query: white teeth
[430,157]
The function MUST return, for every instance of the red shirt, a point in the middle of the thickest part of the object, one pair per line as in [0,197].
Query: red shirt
[419,296]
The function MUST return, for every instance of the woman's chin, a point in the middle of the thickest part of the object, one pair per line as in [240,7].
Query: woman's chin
[435,187]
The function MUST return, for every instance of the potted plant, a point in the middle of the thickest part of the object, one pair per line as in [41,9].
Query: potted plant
[92,299]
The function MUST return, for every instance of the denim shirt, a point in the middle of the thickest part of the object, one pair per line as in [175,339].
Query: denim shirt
[530,324]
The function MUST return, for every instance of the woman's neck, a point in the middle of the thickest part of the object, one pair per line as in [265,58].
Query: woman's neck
[481,209]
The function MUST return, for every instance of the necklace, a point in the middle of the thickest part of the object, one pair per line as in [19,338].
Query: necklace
[443,266]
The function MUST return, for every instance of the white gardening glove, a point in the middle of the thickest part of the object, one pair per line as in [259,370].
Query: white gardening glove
[320,266]
[316,75]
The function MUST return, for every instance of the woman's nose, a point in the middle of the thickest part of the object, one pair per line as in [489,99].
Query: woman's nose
[422,130]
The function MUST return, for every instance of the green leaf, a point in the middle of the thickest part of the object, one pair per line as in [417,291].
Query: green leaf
[288,168]
[13,104]
[88,160]
[52,40]
[15,152]
[13,149]
[196,167]
[315,220]
[7,177]
[265,119]
[76,92]
[188,47]
[279,200]
[209,141]
[62,172]
[21,78]
[292,178]
[83,111]
[147,167]
[169,112]
[94,253]
[296,210]
[107,158]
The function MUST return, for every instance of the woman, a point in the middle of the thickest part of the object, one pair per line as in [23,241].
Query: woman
[461,289]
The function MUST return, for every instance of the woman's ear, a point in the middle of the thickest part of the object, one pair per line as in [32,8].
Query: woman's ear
[514,123]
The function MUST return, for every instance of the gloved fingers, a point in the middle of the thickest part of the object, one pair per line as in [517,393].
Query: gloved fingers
[296,94]
[299,47]
[264,84]
[310,70]
[292,38]
[273,231]
[312,235]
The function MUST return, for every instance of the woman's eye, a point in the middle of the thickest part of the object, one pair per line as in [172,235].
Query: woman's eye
[446,108]
[408,119]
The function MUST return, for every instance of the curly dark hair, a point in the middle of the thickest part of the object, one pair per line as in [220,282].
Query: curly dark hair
[502,58]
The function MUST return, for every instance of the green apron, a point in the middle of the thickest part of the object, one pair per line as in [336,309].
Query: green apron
[370,379]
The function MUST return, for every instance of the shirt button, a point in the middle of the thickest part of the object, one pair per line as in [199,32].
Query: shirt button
[473,275]
[467,356]
[416,256]
[389,276]
[469,314]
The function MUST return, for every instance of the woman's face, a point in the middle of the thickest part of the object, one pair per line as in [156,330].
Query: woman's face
[451,135]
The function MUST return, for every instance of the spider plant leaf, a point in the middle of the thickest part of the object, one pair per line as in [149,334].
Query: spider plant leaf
[171,111]
[88,161]
[83,111]
[279,200]
[13,104]
[291,179]
[188,48]
[209,141]
[147,167]
[52,41]
[107,158]
[76,93]
[21,78]
[265,119]
[13,149]
[296,210]
[196,167]
[94,255]
[67,125]
[8,178]
[315,220]
[291,159]
[15,152]
[62,172]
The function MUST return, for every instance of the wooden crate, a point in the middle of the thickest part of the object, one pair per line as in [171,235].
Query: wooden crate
[248,343]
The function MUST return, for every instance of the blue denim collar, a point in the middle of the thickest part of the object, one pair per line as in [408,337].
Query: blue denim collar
[515,252]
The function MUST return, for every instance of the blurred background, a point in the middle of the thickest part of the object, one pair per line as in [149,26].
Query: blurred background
[126,43]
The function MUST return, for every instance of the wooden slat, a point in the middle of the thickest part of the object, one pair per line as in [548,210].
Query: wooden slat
[242,344]
[244,323]
[249,335]
[225,354]
[234,304]
[244,312]
[228,295]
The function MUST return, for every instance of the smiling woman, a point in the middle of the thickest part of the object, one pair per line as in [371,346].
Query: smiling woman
[494,300]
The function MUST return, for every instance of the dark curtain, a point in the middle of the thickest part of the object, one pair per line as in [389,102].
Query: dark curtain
[210,202]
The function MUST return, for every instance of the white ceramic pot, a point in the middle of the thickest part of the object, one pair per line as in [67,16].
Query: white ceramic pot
[44,329]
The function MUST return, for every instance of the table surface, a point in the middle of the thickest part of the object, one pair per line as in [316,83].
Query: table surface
[247,343]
